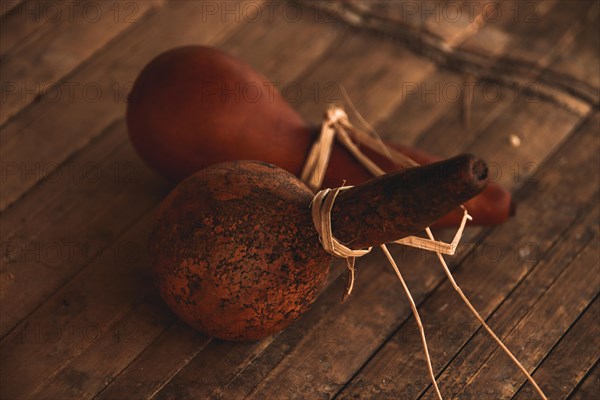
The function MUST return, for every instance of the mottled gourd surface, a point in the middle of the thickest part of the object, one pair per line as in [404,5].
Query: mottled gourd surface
[234,250]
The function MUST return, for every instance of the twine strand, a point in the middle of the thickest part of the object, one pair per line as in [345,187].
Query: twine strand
[321,207]
[337,125]
[413,306]
[485,325]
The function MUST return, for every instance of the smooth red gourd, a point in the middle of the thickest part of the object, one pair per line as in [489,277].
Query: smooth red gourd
[195,106]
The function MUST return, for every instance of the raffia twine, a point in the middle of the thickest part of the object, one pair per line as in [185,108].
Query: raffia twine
[336,125]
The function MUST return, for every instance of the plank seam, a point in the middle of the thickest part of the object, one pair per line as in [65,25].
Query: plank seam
[187,361]
[74,276]
[519,190]
[92,57]
[456,60]
[578,218]
[156,339]
[518,194]
[580,383]
[571,327]
[73,72]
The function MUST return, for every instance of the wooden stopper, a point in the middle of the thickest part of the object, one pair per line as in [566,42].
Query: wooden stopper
[404,203]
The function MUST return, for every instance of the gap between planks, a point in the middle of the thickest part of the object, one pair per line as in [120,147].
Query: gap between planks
[516,323]
[524,391]
[22,134]
[557,153]
[44,77]
[423,41]
[589,385]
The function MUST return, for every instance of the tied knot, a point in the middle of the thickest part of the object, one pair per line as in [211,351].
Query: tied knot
[321,207]
[336,125]
[336,114]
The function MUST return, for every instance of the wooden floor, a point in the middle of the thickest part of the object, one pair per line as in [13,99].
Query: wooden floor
[79,316]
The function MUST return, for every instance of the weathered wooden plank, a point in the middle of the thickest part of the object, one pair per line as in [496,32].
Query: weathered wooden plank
[435,26]
[423,104]
[398,368]
[219,362]
[531,320]
[16,28]
[490,102]
[538,134]
[7,5]
[439,23]
[93,200]
[25,142]
[284,54]
[551,318]
[580,60]
[539,34]
[392,84]
[534,122]
[35,70]
[590,385]
[569,362]
[157,364]
[525,35]
[383,69]
[509,42]
[65,325]
[116,345]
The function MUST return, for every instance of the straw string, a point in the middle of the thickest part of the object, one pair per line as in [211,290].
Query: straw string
[337,125]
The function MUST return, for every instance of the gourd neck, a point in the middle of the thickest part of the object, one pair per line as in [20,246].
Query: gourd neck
[400,204]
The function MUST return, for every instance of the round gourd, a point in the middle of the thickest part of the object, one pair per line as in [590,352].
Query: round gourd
[235,253]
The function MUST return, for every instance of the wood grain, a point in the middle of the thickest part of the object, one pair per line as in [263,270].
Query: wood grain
[568,363]
[537,332]
[112,284]
[580,60]
[39,69]
[80,318]
[17,26]
[8,5]
[590,385]
[458,35]
[87,207]
[26,144]
[399,361]
[157,364]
